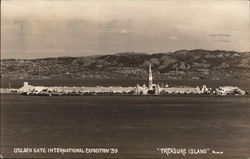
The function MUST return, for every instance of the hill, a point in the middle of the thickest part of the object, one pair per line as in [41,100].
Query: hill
[182,64]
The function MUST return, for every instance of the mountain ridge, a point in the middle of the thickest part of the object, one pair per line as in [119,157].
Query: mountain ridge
[181,64]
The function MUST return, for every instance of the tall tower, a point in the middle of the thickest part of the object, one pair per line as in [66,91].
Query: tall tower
[150,78]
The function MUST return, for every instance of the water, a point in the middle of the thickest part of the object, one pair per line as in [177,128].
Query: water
[136,125]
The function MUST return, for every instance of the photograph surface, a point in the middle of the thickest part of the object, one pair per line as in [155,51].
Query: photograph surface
[125,79]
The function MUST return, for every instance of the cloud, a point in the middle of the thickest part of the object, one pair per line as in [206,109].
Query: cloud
[123,31]
[96,27]
[173,38]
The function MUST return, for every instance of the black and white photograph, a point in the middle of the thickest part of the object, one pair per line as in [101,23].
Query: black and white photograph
[125,79]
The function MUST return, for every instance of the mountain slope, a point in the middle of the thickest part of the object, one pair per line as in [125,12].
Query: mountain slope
[183,64]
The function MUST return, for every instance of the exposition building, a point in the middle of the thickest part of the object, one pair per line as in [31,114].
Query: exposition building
[151,88]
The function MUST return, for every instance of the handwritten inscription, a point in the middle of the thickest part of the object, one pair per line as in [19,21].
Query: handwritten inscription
[185,151]
[67,150]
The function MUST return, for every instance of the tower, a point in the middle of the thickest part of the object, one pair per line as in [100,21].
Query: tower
[150,78]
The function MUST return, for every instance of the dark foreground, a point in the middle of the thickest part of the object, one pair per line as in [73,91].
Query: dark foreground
[136,125]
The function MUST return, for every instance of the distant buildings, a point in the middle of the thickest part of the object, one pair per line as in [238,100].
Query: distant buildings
[152,88]
[226,90]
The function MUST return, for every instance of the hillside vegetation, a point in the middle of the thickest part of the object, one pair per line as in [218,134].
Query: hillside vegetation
[183,64]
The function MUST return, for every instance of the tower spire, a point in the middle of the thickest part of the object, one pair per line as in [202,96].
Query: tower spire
[150,77]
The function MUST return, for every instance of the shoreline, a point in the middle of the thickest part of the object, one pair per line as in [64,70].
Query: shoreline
[134,95]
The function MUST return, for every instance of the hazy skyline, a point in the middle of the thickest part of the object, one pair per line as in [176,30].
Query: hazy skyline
[43,28]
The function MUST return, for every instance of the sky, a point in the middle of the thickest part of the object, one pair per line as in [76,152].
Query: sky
[52,28]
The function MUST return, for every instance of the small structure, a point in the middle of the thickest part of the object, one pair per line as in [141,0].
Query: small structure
[229,90]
